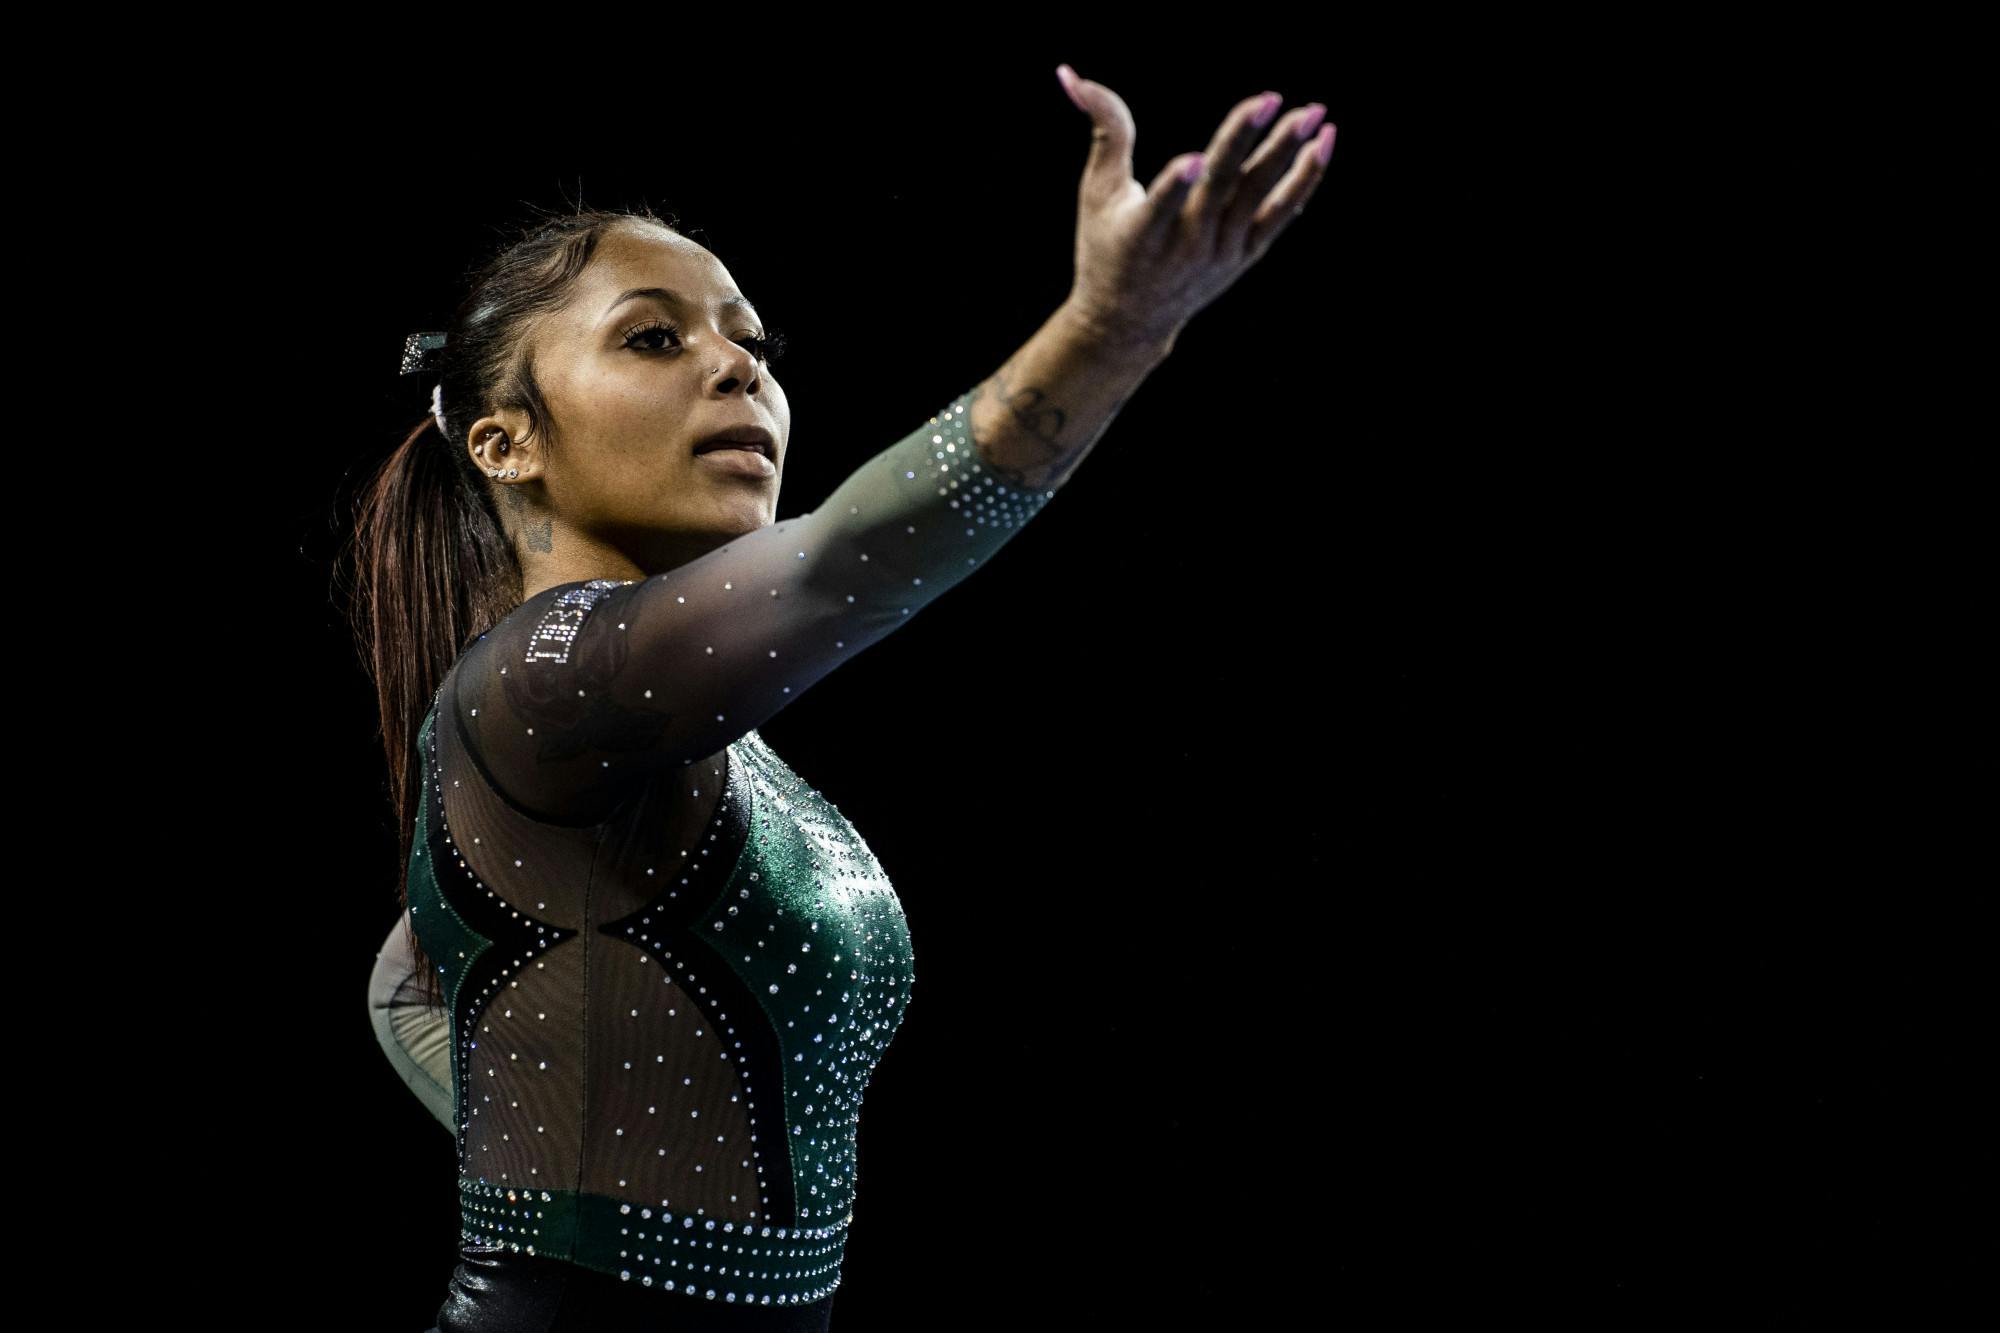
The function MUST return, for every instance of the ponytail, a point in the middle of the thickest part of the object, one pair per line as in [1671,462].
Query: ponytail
[432,570]
[433,566]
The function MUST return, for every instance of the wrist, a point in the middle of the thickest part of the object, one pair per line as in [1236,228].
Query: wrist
[1116,335]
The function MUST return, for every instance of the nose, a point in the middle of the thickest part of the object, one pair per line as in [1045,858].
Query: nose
[733,366]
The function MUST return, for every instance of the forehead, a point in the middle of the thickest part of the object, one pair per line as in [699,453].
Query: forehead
[633,256]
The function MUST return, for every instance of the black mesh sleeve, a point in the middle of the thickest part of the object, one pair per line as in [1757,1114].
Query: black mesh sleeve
[588,688]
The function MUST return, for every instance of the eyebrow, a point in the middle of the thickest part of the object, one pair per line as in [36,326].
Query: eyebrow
[672,297]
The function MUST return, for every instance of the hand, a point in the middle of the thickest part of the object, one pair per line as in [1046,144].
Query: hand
[1147,259]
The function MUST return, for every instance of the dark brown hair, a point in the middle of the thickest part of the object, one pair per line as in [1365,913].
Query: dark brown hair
[432,566]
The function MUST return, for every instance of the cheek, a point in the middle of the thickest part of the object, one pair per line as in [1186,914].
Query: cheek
[629,479]
[643,483]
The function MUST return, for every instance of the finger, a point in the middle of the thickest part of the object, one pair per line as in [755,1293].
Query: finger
[1289,200]
[1166,198]
[1108,170]
[1260,175]
[1239,132]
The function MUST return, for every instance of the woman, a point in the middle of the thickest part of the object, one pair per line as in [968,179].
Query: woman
[644,972]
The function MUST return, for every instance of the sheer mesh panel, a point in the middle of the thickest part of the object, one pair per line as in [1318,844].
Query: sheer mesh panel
[588,688]
[671,963]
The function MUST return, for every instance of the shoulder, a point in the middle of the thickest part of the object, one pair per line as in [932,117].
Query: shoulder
[544,628]
[549,614]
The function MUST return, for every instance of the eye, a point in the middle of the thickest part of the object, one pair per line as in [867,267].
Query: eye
[635,338]
[767,349]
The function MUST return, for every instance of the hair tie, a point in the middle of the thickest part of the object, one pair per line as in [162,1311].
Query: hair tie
[422,353]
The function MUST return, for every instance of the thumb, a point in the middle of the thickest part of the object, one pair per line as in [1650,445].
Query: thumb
[1112,131]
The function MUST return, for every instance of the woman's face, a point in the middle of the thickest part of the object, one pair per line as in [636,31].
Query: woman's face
[635,380]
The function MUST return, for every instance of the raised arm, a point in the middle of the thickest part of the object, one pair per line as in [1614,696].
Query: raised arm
[588,688]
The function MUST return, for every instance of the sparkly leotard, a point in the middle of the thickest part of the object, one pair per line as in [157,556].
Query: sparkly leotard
[670,966]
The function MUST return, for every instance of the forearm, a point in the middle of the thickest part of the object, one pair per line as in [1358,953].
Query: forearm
[918,518]
[1040,414]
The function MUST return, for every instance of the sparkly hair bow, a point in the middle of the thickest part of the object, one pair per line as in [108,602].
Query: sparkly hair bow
[421,353]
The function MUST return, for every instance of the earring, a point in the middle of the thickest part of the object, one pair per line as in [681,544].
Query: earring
[504,442]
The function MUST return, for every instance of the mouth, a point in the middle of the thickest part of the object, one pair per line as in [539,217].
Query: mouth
[755,439]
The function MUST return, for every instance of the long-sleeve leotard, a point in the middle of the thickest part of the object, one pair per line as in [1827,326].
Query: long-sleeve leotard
[588,688]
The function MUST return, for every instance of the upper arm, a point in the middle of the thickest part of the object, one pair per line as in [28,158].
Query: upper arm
[589,687]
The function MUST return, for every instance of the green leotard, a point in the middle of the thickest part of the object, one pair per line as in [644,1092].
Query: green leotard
[671,965]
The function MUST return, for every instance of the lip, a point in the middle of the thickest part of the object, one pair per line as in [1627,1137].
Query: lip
[755,436]
[740,458]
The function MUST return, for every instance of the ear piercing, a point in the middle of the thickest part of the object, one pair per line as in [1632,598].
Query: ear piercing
[504,442]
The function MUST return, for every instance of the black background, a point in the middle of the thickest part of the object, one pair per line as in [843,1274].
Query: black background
[1433,813]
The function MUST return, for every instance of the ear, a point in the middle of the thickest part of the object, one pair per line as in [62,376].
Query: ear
[495,445]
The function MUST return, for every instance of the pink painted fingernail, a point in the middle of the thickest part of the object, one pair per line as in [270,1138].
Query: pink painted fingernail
[1193,168]
[1325,149]
[1311,122]
[1262,116]
[1067,77]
